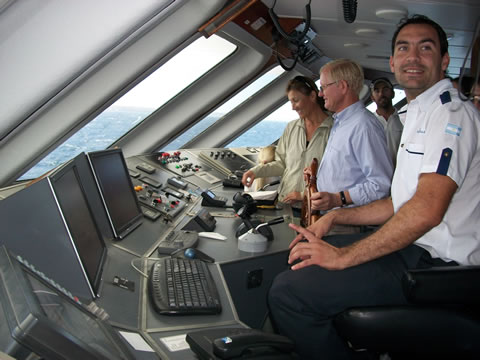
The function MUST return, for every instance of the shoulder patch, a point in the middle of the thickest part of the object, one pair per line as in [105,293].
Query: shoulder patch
[445,97]
[444,162]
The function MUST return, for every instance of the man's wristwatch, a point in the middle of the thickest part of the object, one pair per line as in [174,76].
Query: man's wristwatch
[343,198]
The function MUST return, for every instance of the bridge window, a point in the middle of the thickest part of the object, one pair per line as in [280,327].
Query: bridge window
[399,96]
[268,130]
[141,101]
[221,111]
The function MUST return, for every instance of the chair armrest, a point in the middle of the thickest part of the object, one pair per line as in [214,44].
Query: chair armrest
[443,285]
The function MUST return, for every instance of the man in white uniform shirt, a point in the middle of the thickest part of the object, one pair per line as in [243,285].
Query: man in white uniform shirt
[430,220]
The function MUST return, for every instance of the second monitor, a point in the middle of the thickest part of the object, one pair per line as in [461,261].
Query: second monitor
[116,188]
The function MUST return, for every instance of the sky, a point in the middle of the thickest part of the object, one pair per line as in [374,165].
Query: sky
[177,73]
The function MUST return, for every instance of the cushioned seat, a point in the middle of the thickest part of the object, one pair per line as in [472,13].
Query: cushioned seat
[442,321]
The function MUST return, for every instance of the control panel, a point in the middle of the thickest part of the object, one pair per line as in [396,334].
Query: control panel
[160,193]
[226,161]
[249,152]
[180,163]
[160,201]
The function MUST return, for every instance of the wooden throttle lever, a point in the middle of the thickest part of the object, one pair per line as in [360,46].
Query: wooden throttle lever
[309,216]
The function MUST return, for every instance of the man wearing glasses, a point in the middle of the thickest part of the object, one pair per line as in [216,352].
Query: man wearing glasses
[356,167]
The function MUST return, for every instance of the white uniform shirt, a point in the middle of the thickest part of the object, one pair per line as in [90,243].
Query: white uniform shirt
[393,132]
[382,120]
[441,135]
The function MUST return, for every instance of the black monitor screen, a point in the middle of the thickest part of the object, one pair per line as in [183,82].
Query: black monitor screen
[113,179]
[40,316]
[83,229]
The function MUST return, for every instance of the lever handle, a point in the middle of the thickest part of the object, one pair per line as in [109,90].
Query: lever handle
[270,184]
[276,221]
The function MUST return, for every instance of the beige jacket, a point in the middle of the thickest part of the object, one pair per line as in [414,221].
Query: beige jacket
[293,155]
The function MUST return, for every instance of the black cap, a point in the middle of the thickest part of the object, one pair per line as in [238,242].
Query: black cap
[379,80]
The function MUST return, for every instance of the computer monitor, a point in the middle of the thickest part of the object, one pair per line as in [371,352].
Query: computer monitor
[39,316]
[116,188]
[94,197]
[83,231]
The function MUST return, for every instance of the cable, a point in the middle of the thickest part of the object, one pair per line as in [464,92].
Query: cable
[294,39]
[462,73]
[285,67]
[137,269]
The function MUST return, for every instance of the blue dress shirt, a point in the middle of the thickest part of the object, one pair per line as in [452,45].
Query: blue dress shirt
[356,157]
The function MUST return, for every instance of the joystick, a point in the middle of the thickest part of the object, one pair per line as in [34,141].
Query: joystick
[191,253]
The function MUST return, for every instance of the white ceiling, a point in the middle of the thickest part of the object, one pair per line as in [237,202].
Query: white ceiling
[457,17]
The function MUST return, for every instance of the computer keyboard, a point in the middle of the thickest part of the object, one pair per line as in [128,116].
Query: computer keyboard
[177,239]
[183,286]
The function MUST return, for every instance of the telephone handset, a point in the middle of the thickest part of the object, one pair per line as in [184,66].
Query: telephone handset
[239,343]
[235,345]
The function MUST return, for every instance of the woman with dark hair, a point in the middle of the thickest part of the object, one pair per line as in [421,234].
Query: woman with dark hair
[302,140]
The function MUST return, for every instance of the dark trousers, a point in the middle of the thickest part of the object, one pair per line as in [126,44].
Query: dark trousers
[304,302]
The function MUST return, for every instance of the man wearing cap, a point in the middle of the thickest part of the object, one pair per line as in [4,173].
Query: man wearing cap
[382,95]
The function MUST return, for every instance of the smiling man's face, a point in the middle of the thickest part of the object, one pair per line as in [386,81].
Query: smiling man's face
[417,61]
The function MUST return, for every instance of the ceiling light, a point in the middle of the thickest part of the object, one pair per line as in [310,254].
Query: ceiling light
[367,31]
[355,45]
[391,14]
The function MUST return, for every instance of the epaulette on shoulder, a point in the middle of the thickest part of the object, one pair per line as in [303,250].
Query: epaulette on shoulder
[445,97]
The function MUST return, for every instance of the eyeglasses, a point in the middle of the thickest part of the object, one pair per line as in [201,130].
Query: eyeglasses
[324,87]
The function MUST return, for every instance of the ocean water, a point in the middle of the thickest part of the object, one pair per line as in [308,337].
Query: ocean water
[99,134]
[263,134]
[113,123]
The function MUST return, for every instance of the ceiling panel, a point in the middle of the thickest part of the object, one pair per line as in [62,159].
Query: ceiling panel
[458,18]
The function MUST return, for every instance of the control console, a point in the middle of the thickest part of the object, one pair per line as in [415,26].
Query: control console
[166,201]
[226,161]
[178,162]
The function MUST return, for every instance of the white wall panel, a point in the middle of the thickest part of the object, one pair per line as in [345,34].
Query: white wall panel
[45,44]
